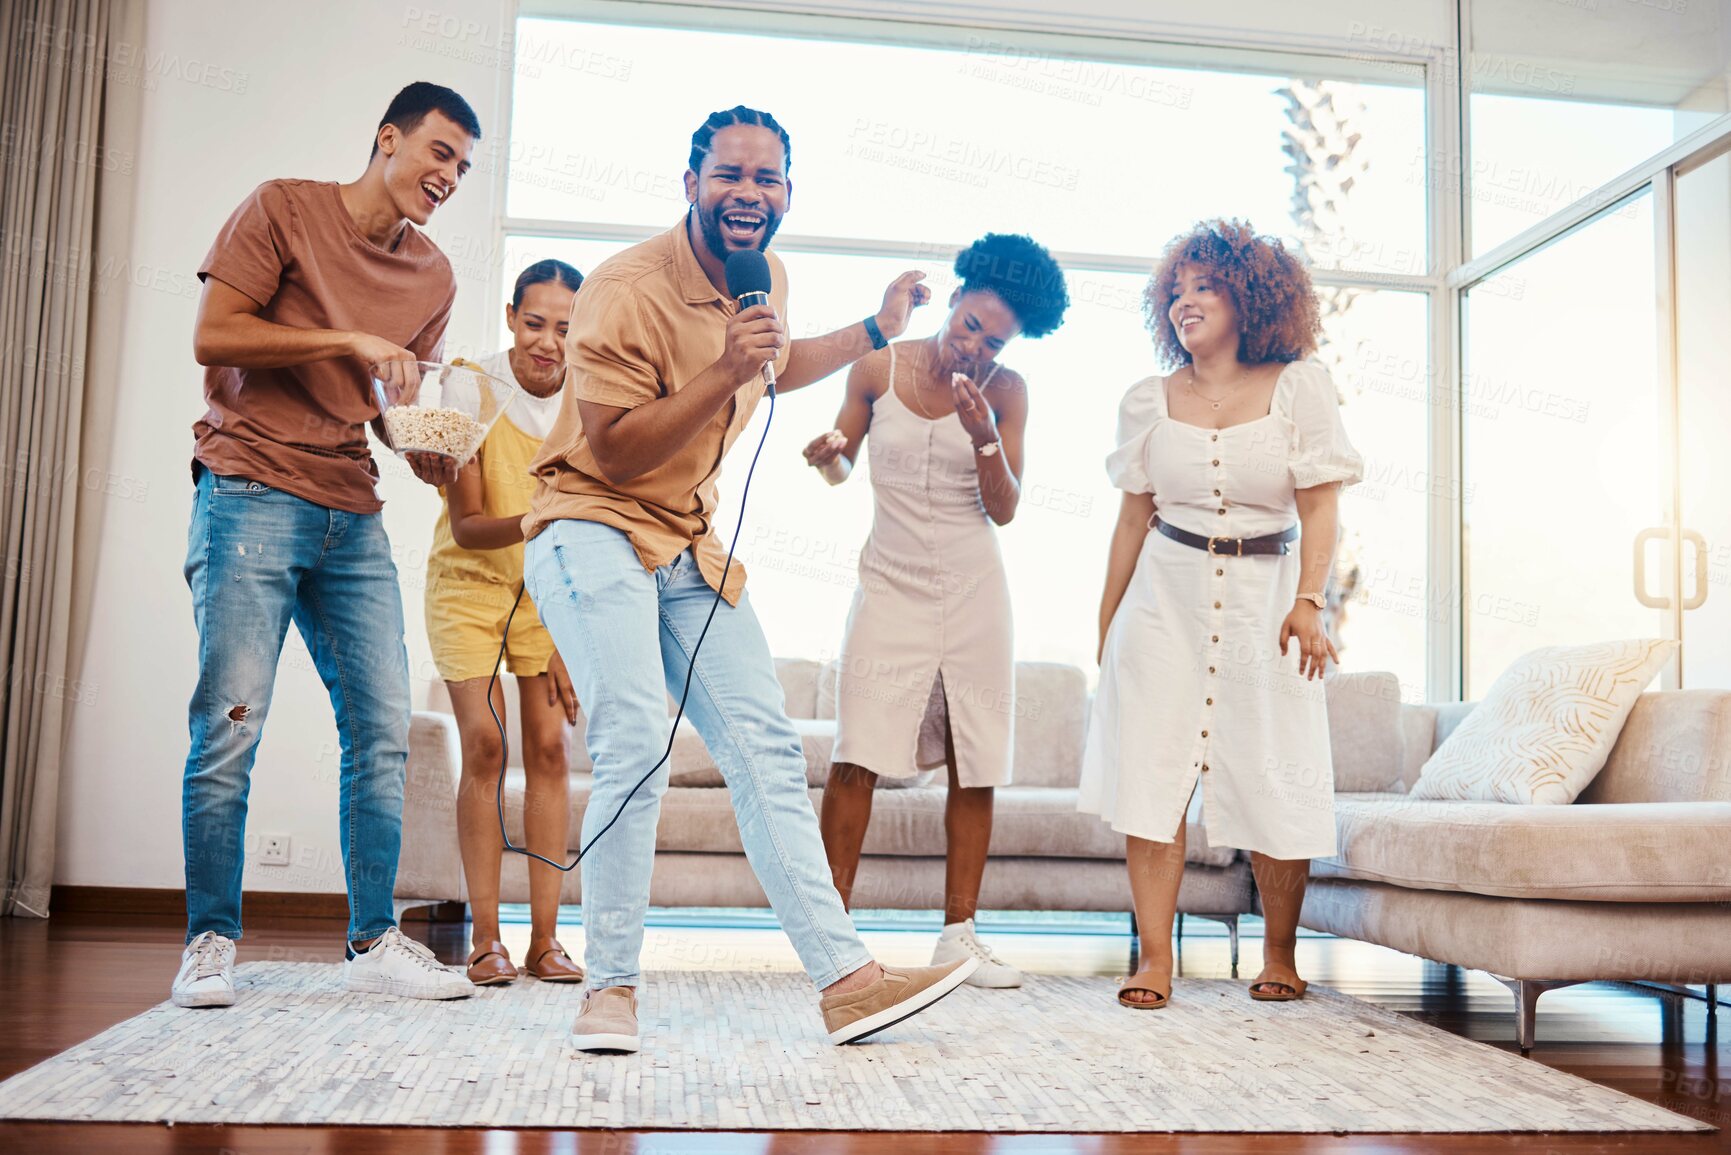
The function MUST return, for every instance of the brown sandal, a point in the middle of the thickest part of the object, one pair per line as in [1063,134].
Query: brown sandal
[1130,984]
[551,964]
[1284,990]
[490,966]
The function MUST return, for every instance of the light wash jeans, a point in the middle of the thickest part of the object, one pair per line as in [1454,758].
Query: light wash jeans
[626,636]
[256,558]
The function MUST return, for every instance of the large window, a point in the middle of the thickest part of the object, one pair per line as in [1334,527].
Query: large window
[1099,155]
[1566,94]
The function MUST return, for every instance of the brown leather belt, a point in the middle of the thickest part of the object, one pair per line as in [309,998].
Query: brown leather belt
[1273,543]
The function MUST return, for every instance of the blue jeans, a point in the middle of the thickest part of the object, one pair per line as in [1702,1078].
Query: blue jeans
[626,636]
[255,558]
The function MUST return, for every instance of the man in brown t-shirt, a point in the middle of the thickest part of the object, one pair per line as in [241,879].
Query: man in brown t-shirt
[308,284]
[628,575]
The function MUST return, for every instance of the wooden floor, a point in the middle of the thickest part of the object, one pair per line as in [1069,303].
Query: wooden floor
[67,979]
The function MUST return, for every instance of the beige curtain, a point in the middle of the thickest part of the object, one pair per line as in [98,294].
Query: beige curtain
[54,78]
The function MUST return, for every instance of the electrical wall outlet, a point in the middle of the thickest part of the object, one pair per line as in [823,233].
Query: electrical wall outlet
[273,850]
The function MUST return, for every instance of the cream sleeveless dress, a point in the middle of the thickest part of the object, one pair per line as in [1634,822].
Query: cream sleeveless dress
[930,629]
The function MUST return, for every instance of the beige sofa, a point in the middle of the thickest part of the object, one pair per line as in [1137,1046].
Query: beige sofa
[1045,856]
[1632,882]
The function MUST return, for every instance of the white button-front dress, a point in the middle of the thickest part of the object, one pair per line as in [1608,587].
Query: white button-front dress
[1193,687]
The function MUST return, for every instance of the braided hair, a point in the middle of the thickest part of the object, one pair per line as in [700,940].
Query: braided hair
[704,137]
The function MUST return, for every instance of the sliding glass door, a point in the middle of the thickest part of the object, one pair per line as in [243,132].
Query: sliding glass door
[1701,305]
[1595,392]
[1562,418]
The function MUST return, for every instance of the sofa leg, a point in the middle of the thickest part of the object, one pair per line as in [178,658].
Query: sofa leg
[1527,992]
[1712,1000]
[1231,922]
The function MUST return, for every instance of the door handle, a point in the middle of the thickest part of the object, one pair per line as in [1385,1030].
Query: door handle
[1694,600]
[1663,533]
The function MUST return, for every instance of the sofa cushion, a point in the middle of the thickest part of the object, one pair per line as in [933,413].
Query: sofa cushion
[1675,747]
[1418,739]
[1364,730]
[1669,942]
[1632,852]
[1033,821]
[1547,725]
[1051,716]
[693,766]
[799,685]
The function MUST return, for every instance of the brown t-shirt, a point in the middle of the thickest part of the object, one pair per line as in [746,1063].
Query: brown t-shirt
[292,247]
[644,324]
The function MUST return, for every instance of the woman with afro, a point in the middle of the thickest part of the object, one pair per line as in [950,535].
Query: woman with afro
[927,667]
[1212,641]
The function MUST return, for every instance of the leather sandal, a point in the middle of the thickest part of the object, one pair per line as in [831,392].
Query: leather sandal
[1278,990]
[490,966]
[551,964]
[1131,984]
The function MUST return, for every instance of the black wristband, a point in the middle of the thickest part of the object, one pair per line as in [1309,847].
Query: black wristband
[875,333]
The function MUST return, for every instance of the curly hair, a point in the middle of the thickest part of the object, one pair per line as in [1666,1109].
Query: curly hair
[1278,317]
[1022,274]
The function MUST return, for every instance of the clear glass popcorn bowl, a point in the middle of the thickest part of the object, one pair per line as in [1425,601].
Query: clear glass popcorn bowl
[433,407]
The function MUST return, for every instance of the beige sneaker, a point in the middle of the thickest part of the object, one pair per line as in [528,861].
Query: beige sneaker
[901,993]
[607,1021]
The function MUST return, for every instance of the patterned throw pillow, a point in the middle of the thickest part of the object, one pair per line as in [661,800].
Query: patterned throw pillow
[1547,725]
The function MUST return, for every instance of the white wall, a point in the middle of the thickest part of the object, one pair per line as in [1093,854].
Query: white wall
[238,91]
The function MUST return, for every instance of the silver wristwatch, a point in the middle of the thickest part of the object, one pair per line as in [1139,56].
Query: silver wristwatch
[986,450]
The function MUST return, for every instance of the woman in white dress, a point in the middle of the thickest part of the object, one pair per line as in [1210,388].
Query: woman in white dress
[927,667]
[1212,641]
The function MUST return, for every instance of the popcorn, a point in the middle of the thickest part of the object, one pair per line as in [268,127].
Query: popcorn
[452,432]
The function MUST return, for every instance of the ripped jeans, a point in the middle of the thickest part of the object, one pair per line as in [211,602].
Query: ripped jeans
[256,558]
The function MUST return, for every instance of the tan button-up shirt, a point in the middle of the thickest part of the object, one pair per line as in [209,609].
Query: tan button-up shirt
[644,324]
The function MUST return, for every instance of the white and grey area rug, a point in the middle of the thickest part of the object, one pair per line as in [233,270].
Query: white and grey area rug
[746,1051]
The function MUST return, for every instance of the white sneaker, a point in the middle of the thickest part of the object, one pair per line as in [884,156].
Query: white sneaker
[960,941]
[206,975]
[398,965]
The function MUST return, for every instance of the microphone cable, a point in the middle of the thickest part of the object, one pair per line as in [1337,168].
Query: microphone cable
[690,668]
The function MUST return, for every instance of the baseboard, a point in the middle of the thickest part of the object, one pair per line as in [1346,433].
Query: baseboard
[163,901]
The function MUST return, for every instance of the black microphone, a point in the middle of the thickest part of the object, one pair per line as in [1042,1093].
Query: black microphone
[748,283]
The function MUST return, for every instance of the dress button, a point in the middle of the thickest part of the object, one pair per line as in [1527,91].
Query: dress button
[1205,768]
[1205,733]
[1219,573]
[1214,437]
[1210,701]
[1221,510]
[1216,493]
[1216,605]
[1210,669]
[1216,637]
[1216,461]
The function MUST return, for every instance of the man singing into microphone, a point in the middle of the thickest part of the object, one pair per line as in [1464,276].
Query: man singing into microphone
[624,565]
